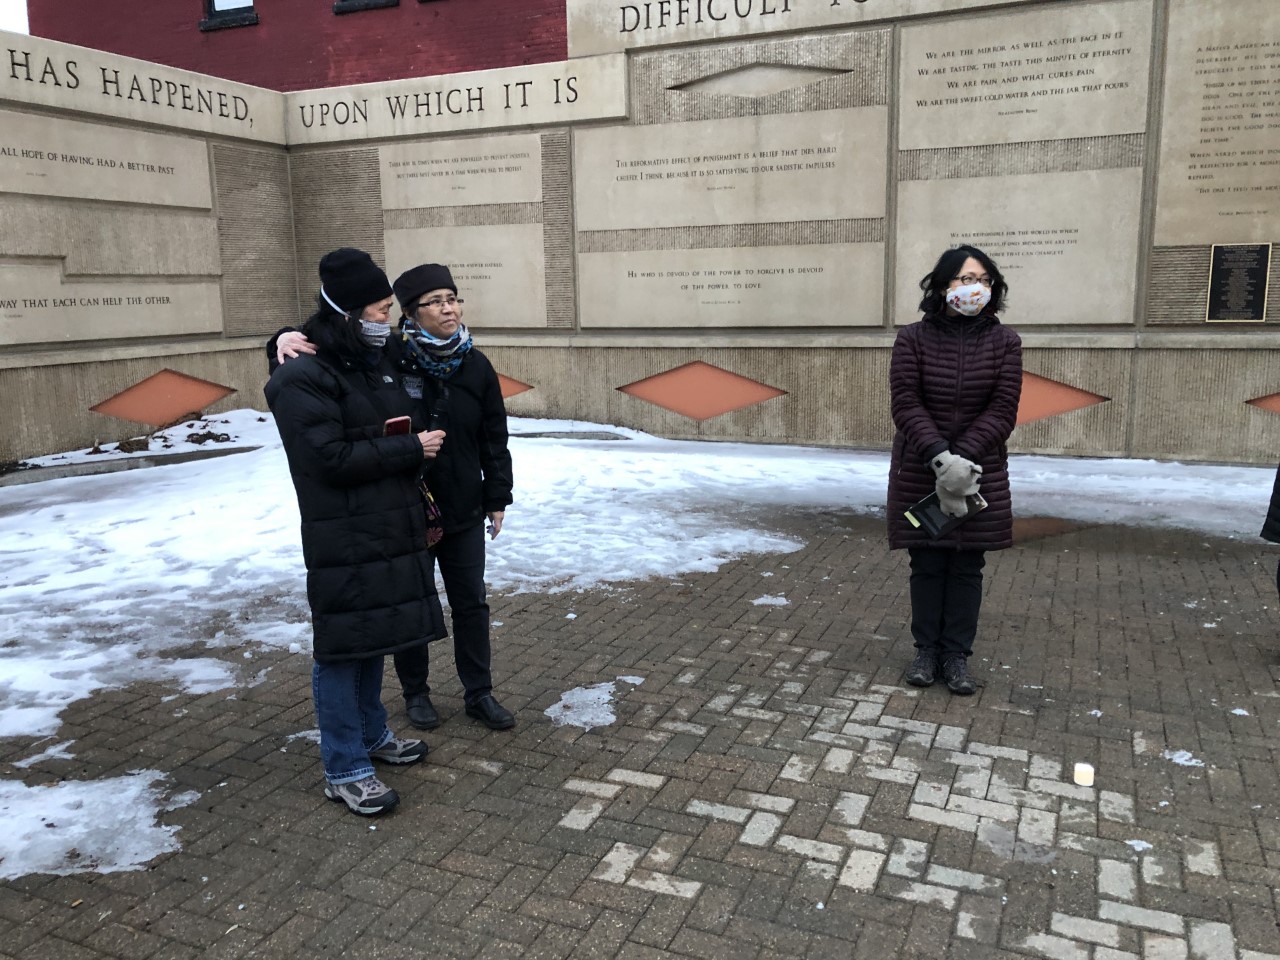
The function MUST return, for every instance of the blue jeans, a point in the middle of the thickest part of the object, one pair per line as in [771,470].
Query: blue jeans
[352,719]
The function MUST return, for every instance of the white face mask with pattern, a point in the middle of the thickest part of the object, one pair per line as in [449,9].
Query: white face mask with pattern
[374,334]
[969,300]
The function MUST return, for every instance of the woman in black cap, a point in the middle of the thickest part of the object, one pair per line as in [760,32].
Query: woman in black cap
[370,581]
[457,387]
[471,480]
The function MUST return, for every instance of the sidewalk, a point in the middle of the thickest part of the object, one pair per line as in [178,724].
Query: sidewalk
[770,789]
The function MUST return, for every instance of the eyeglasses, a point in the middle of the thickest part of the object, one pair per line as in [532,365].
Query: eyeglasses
[436,303]
[969,280]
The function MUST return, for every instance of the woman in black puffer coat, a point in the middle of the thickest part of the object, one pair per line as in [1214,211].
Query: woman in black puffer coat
[955,380]
[369,573]
[1271,527]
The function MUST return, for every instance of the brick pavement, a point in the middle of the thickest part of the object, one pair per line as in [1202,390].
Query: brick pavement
[770,789]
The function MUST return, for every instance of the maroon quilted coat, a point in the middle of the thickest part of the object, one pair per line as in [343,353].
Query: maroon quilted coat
[954,385]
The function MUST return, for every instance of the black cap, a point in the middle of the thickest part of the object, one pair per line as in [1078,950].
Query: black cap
[413,283]
[351,280]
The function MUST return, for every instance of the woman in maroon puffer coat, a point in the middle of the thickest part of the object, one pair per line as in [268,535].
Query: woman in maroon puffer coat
[955,379]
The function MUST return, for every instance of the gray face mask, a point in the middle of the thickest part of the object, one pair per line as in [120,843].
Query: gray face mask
[374,334]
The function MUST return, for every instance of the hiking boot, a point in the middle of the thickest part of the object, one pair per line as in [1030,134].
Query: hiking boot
[955,671]
[366,797]
[421,712]
[924,669]
[396,750]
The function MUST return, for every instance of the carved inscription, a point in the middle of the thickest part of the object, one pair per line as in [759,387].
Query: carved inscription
[607,26]
[591,88]
[66,158]
[500,269]
[48,73]
[767,169]
[447,173]
[38,306]
[1042,75]
[1066,242]
[820,285]
[1220,151]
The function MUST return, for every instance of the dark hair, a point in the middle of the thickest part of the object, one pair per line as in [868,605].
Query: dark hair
[937,280]
[334,333]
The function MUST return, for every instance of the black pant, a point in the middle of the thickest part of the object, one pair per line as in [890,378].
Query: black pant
[460,557]
[946,595]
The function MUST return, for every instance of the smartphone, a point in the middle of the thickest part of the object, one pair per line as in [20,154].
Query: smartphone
[396,426]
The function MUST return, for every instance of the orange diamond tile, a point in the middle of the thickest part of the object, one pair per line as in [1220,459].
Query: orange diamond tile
[1042,397]
[163,398]
[1269,403]
[510,386]
[701,391]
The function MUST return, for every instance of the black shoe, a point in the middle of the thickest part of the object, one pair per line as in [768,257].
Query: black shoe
[422,714]
[924,669]
[491,713]
[955,671]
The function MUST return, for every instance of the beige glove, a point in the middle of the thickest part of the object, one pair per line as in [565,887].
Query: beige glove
[956,475]
[952,505]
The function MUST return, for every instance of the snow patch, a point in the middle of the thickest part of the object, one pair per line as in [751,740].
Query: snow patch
[588,707]
[99,826]
[771,601]
[1182,758]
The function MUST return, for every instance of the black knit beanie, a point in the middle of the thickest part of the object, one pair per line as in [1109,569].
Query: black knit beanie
[351,280]
[413,283]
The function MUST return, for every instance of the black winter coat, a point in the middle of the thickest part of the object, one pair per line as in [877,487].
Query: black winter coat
[954,385]
[370,578]
[471,476]
[1271,528]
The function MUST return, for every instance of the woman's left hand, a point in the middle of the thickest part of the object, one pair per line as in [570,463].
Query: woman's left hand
[495,524]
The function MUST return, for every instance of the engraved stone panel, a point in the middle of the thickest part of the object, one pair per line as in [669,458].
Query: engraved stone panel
[1220,134]
[740,170]
[593,88]
[110,239]
[65,158]
[38,305]
[1078,71]
[451,173]
[46,73]
[1067,243]
[814,285]
[784,75]
[500,270]
[609,26]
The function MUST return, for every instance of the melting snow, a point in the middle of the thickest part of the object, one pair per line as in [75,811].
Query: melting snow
[587,707]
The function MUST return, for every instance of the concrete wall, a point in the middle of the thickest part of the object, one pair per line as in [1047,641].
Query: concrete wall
[713,228]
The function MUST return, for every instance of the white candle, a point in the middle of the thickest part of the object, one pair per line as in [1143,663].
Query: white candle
[1084,774]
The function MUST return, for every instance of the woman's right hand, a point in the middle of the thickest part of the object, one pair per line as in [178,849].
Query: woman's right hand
[432,441]
[291,344]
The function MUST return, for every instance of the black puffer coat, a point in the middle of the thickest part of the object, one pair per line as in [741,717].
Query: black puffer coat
[954,385]
[471,477]
[1271,528]
[369,575]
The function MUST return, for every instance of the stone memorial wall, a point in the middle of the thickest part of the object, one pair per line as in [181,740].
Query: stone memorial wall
[751,185]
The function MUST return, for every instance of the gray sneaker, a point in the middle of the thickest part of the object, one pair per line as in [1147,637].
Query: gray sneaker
[366,797]
[396,750]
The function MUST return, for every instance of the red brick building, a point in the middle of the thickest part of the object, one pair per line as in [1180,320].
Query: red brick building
[301,44]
